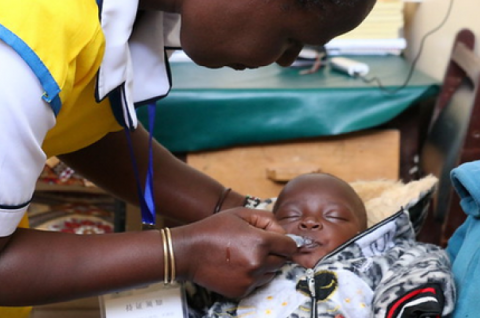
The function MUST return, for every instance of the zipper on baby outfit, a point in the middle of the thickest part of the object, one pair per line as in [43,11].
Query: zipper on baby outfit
[310,273]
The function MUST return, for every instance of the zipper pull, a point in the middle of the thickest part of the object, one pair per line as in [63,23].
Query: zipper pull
[311,287]
[311,282]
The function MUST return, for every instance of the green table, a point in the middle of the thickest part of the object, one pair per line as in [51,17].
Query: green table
[208,109]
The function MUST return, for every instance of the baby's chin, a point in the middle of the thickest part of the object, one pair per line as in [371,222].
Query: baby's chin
[307,260]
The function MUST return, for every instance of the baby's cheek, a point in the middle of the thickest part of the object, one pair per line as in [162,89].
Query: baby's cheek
[289,227]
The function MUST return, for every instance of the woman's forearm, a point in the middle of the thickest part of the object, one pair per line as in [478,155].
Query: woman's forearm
[38,267]
[181,192]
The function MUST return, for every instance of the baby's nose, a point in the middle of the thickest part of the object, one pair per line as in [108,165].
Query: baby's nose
[311,223]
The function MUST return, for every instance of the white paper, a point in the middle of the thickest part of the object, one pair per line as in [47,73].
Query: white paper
[154,301]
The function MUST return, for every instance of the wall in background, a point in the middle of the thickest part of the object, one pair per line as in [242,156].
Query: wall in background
[427,15]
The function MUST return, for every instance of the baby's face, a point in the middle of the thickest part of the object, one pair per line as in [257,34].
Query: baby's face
[323,209]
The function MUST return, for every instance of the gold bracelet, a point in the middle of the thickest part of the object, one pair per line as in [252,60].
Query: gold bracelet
[165,257]
[170,253]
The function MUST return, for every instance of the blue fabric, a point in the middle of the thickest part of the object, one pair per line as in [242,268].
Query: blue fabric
[464,245]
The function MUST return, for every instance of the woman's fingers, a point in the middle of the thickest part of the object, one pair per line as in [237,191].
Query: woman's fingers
[232,252]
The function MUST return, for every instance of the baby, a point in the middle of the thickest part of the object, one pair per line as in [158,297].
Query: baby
[343,269]
[324,210]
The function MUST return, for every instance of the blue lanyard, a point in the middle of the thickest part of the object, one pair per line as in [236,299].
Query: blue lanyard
[146,198]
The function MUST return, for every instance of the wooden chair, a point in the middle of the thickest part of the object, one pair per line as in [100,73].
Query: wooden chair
[453,137]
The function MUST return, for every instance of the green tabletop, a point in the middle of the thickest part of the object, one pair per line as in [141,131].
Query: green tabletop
[215,108]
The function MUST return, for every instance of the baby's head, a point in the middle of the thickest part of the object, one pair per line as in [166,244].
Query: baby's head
[324,209]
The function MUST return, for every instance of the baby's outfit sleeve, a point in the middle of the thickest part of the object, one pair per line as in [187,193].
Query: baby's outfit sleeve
[419,283]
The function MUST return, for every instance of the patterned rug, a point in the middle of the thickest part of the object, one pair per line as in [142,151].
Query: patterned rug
[72,212]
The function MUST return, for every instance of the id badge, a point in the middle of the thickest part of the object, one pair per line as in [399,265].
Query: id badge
[153,301]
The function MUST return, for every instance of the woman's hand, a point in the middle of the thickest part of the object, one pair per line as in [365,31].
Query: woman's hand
[232,252]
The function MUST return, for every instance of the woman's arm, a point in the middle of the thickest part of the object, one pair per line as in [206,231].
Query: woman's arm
[38,267]
[230,253]
[181,192]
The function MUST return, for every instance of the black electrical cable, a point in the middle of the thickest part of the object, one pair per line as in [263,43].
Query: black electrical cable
[415,60]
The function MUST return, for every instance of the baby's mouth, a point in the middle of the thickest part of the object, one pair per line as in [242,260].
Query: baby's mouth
[308,241]
[300,241]
[309,245]
[304,242]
